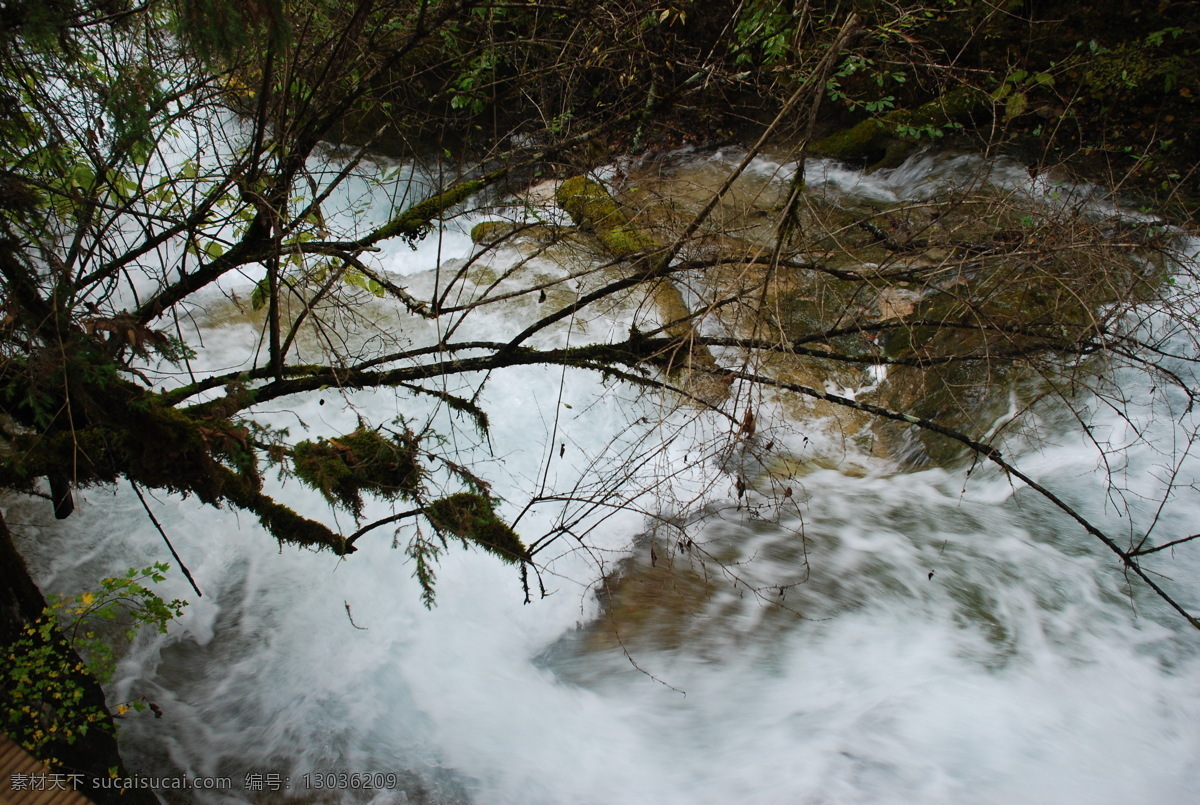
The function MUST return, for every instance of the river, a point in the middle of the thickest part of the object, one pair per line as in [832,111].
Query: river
[883,634]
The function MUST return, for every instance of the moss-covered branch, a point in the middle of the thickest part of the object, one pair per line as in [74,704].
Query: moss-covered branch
[471,517]
[415,222]
[592,208]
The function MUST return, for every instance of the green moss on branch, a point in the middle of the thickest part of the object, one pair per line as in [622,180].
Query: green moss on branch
[342,468]
[472,517]
[417,220]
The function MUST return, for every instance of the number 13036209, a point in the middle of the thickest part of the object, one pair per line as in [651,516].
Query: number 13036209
[343,781]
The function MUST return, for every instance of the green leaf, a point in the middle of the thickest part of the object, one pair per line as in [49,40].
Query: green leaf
[360,280]
[261,295]
[1016,105]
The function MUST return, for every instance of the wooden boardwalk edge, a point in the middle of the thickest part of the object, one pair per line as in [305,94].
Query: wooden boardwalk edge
[25,780]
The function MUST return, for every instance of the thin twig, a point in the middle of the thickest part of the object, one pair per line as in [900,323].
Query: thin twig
[350,615]
[1172,543]
[166,539]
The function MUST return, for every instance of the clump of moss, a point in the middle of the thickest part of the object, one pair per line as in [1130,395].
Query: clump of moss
[487,233]
[165,448]
[471,516]
[364,460]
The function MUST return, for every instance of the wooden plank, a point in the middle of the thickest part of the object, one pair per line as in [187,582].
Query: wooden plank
[24,780]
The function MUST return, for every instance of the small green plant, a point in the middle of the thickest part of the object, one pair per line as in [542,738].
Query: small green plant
[43,691]
[929,130]
[561,122]
[1016,89]
[917,132]
[42,696]
[125,601]
[763,32]
[1156,38]
[882,77]
[470,84]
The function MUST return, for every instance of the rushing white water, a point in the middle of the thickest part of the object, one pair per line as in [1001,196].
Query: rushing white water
[890,637]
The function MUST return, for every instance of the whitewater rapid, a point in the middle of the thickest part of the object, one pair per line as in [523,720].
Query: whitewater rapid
[887,637]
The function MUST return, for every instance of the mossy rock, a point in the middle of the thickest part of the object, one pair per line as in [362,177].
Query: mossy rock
[472,517]
[592,208]
[485,233]
[885,141]
[1131,71]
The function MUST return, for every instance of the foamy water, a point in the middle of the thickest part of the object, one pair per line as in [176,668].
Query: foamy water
[883,637]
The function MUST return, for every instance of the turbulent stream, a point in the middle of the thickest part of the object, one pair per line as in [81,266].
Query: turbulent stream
[886,635]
